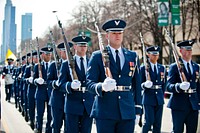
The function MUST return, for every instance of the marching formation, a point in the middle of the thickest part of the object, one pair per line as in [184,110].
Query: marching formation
[109,88]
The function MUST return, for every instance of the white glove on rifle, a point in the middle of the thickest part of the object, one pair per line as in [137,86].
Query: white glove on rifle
[40,81]
[147,84]
[30,79]
[57,83]
[109,84]
[137,119]
[184,86]
[75,84]
[20,75]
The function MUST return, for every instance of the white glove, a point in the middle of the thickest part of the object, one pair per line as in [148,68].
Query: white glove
[30,79]
[185,86]
[75,84]
[20,75]
[148,84]
[137,119]
[109,84]
[40,80]
[57,83]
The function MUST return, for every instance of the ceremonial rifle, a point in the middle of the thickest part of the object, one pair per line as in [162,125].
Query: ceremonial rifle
[55,54]
[39,59]
[70,58]
[104,52]
[177,58]
[145,60]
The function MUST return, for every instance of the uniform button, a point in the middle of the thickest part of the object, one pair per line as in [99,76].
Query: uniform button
[189,95]
[83,100]
[156,92]
[119,97]
[119,76]
[83,81]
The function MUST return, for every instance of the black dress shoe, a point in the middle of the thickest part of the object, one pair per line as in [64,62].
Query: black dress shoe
[20,109]
[23,113]
[26,118]
[32,125]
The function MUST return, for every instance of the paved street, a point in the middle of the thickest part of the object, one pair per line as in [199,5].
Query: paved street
[13,122]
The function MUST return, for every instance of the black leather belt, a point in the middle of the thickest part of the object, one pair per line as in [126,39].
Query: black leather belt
[156,87]
[190,91]
[122,88]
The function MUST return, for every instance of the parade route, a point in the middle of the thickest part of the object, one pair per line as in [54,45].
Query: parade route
[13,122]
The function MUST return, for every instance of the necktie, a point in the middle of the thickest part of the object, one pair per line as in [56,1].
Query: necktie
[155,72]
[189,70]
[46,67]
[82,66]
[118,61]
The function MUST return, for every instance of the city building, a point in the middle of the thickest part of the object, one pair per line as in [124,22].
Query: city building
[26,28]
[9,30]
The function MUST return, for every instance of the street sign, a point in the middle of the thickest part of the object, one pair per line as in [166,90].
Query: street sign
[86,33]
[175,12]
[163,12]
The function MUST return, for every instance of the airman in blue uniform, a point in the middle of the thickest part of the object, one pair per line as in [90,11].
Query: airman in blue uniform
[21,92]
[31,89]
[153,83]
[43,93]
[78,101]
[117,104]
[7,74]
[57,98]
[16,83]
[25,88]
[185,99]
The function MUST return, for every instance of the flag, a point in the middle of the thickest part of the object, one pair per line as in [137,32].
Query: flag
[10,55]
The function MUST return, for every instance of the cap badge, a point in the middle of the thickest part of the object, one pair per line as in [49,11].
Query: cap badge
[117,22]
[84,37]
[156,48]
[190,42]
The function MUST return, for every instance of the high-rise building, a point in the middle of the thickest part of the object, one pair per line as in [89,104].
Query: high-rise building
[26,28]
[9,30]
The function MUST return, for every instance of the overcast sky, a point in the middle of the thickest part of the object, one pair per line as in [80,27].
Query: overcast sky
[42,14]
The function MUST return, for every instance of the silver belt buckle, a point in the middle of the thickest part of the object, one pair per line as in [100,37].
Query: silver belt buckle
[190,90]
[83,89]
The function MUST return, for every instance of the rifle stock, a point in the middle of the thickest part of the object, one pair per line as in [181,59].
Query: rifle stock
[145,60]
[177,58]
[39,59]
[55,54]
[104,52]
[70,58]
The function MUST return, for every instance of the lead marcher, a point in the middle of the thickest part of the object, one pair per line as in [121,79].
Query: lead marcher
[117,104]
[78,101]
[185,99]
[154,87]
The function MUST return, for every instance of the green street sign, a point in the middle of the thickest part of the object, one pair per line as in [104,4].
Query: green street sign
[86,33]
[175,12]
[163,12]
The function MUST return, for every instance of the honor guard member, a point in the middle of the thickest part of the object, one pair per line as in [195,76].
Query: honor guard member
[25,87]
[185,99]
[78,101]
[22,84]
[57,98]
[16,82]
[153,83]
[42,93]
[7,75]
[118,97]
[31,89]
